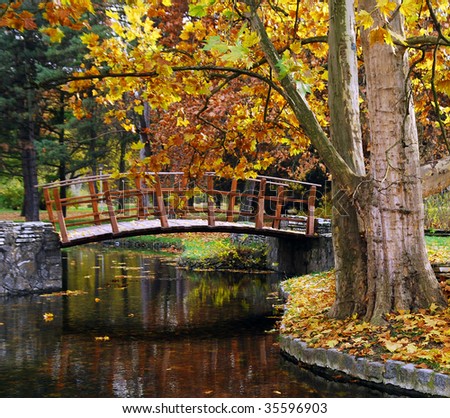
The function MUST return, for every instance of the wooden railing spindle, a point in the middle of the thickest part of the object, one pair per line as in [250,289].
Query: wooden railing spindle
[259,219]
[210,201]
[110,206]
[94,202]
[280,200]
[311,209]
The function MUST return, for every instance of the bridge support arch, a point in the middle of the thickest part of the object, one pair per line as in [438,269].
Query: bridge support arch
[30,258]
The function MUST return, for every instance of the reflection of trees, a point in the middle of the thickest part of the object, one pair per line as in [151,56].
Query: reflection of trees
[179,368]
[249,290]
[158,296]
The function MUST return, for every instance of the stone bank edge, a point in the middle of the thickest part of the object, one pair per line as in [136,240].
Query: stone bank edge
[396,373]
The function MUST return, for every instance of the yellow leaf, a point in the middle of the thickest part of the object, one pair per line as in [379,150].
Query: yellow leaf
[411,348]
[377,35]
[167,3]
[332,343]
[409,7]
[296,47]
[137,146]
[392,346]
[364,19]
[386,7]
[105,338]
[55,34]
[48,317]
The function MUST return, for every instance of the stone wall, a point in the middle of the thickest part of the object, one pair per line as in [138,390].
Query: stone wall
[30,258]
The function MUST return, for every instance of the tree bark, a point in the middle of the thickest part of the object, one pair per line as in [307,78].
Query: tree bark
[29,162]
[399,274]
[348,242]
[381,259]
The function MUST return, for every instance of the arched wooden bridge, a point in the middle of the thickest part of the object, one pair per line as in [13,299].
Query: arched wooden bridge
[106,207]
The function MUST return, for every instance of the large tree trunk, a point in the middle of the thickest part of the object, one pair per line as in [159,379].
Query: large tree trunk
[348,242]
[399,275]
[382,263]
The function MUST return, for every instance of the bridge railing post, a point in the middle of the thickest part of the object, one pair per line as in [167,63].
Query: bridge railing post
[210,200]
[311,209]
[110,206]
[140,198]
[60,215]
[49,206]
[259,218]
[231,200]
[279,207]
[160,202]
[94,202]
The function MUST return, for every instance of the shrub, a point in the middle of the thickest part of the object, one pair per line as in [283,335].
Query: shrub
[11,194]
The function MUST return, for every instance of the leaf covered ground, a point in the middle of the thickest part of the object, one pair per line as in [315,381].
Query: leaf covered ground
[422,338]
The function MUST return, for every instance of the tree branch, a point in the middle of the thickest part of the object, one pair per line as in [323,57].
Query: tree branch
[342,172]
[435,176]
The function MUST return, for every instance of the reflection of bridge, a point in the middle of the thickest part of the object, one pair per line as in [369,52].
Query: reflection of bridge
[105,207]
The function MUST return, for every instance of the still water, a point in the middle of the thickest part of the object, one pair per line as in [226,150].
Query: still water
[133,325]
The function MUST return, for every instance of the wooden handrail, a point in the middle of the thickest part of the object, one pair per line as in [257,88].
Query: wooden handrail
[165,194]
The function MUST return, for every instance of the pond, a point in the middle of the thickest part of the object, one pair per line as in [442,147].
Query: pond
[131,324]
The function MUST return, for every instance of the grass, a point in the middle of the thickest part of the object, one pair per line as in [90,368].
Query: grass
[218,251]
[437,212]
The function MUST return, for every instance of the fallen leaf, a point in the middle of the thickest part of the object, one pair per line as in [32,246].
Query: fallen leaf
[105,338]
[48,317]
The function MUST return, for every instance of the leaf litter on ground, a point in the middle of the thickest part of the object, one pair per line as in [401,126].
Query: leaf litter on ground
[421,338]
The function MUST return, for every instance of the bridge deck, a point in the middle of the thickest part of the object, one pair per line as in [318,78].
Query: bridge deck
[152,227]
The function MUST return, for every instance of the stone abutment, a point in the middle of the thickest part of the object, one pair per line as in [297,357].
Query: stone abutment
[30,258]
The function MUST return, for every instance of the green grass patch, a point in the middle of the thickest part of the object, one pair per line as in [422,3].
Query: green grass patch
[222,253]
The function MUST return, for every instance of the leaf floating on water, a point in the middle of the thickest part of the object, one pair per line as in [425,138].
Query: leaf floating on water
[48,316]
[65,293]
[277,392]
[104,338]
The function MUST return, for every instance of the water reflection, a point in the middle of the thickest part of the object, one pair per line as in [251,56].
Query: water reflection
[133,325]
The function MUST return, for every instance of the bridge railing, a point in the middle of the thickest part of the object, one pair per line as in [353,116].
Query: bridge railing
[172,195]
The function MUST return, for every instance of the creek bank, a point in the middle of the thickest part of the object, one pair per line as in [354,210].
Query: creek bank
[396,356]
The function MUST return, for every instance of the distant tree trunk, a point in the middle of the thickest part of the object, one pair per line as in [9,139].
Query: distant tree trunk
[62,169]
[144,127]
[29,160]
[30,177]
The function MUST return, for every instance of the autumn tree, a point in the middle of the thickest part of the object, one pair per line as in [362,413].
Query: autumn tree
[277,49]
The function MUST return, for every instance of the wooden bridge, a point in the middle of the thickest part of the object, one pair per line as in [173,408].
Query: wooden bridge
[107,207]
